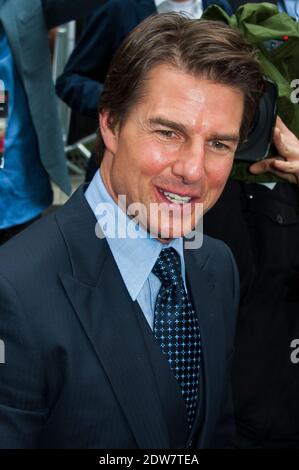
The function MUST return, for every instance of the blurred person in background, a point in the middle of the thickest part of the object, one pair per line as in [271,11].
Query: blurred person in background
[33,151]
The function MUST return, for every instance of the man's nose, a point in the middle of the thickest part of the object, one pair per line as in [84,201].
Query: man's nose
[189,164]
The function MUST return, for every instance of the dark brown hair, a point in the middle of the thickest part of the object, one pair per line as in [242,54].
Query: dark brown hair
[207,49]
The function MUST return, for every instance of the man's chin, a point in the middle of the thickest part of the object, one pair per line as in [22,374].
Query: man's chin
[166,234]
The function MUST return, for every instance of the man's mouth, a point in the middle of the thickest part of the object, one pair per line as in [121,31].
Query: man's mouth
[175,198]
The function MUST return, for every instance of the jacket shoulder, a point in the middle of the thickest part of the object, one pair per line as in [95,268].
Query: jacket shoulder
[217,249]
[33,252]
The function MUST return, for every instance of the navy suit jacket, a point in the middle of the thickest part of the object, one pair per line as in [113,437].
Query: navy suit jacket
[82,367]
[81,84]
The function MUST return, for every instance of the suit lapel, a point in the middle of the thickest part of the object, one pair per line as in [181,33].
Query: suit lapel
[8,15]
[106,314]
[15,15]
[208,308]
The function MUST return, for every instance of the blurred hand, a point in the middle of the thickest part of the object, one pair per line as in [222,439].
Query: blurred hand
[286,164]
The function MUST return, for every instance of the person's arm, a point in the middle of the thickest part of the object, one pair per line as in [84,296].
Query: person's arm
[58,12]
[81,83]
[286,164]
[80,93]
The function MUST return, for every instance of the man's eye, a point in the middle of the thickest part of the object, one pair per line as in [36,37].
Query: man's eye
[166,134]
[219,145]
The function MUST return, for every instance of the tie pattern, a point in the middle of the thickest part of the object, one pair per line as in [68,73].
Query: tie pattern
[176,328]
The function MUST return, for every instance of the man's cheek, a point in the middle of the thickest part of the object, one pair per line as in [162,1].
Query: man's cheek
[154,161]
[219,174]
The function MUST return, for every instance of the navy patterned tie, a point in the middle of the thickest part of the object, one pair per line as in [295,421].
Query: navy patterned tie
[176,328]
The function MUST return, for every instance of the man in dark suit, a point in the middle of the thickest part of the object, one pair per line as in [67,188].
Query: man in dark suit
[126,341]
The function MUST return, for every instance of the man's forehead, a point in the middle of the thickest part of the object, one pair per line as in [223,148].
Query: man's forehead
[170,86]
[188,103]
[172,79]
[167,85]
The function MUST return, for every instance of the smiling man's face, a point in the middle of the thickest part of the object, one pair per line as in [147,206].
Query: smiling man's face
[175,147]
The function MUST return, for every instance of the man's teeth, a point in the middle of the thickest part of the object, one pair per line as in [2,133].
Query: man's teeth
[172,197]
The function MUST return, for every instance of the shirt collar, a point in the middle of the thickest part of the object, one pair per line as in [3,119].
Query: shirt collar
[135,257]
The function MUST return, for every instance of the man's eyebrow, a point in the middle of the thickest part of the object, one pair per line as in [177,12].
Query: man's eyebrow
[167,123]
[227,137]
[181,128]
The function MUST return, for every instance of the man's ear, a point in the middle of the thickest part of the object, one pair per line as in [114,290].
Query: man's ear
[109,131]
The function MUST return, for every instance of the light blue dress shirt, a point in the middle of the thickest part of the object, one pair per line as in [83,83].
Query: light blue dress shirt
[135,257]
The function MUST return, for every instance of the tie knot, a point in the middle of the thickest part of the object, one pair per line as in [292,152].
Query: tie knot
[168,267]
